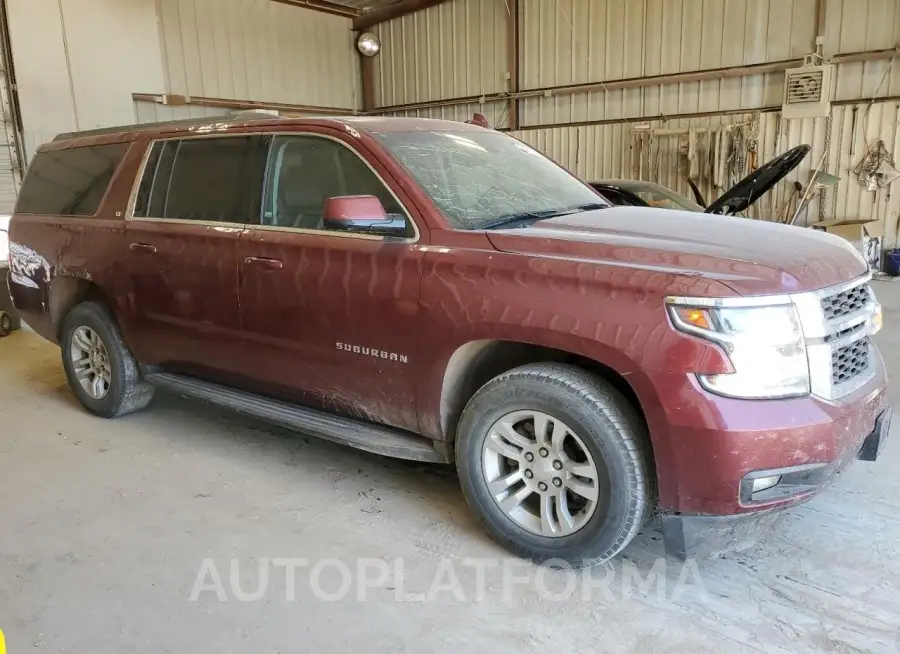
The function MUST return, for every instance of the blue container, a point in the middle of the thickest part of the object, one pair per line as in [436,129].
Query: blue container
[892,262]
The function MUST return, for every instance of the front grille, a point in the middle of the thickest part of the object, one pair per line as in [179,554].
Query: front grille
[849,361]
[846,303]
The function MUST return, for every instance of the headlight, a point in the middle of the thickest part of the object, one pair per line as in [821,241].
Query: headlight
[765,345]
[877,318]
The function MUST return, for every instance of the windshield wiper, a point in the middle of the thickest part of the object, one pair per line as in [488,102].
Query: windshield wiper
[535,216]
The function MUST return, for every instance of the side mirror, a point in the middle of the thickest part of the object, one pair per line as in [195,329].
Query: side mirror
[363,214]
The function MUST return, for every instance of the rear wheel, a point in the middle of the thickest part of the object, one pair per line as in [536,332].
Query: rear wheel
[101,371]
[553,461]
[6,324]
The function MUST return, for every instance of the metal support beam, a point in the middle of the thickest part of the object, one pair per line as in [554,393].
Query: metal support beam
[638,120]
[612,85]
[820,23]
[367,82]
[240,105]
[512,37]
[868,55]
[322,5]
[390,12]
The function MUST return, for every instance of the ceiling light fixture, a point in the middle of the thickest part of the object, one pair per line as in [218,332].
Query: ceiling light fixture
[368,44]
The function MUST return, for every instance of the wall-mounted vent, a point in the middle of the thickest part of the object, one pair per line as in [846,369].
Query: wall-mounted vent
[807,90]
[805,86]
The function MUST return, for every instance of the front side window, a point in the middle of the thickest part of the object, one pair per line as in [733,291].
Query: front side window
[479,179]
[204,179]
[304,171]
[70,182]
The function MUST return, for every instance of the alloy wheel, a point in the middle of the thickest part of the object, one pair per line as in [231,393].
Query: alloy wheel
[90,361]
[541,474]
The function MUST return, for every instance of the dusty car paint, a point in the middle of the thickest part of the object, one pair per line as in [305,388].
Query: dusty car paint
[590,285]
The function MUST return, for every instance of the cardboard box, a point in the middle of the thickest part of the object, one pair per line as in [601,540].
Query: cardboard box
[865,235]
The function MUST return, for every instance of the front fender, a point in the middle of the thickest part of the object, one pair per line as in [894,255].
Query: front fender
[452,357]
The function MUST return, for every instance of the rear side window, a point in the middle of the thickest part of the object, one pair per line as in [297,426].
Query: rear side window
[206,179]
[70,182]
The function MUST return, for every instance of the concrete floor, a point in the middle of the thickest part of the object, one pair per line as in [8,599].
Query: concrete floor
[105,528]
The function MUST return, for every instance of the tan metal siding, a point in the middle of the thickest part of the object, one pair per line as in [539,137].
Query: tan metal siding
[81,72]
[258,50]
[604,152]
[592,152]
[856,26]
[579,41]
[10,168]
[497,113]
[152,112]
[9,182]
[456,49]
[852,200]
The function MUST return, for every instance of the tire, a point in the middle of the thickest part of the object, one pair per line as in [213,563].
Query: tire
[601,427]
[125,390]
[6,324]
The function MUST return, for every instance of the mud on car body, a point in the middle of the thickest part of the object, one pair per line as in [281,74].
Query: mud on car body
[580,363]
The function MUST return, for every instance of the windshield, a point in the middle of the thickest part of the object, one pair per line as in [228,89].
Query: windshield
[660,196]
[480,179]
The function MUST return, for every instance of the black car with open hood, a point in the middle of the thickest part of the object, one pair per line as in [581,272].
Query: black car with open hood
[735,200]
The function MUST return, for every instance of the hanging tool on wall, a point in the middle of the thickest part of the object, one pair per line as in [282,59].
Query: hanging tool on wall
[876,170]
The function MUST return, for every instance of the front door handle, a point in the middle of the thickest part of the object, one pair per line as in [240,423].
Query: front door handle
[265,262]
[142,247]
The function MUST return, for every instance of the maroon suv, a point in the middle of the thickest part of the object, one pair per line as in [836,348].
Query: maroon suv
[441,292]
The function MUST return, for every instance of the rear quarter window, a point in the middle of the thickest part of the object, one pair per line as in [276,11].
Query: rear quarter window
[70,182]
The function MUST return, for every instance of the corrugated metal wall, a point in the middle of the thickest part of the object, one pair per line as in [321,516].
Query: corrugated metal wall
[10,168]
[459,49]
[564,42]
[579,41]
[613,151]
[456,49]
[258,50]
[497,113]
[854,129]
[78,61]
[153,112]
[857,26]
[838,143]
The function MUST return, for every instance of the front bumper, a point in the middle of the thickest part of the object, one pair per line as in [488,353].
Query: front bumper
[699,536]
[706,445]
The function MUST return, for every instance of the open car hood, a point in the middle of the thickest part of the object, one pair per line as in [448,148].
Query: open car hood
[758,183]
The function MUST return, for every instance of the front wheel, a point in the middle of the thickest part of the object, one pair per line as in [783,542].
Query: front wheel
[556,464]
[101,371]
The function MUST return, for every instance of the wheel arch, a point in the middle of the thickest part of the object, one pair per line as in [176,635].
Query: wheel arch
[476,362]
[67,292]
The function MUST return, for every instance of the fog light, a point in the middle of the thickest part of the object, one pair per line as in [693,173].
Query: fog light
[765,483]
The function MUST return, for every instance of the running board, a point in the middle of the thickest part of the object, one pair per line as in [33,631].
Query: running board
[369,437]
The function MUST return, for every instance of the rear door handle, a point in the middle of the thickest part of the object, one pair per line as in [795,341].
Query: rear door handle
[264,262]
[142,247]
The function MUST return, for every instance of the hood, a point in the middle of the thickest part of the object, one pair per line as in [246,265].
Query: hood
[758,183]
[749,256]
